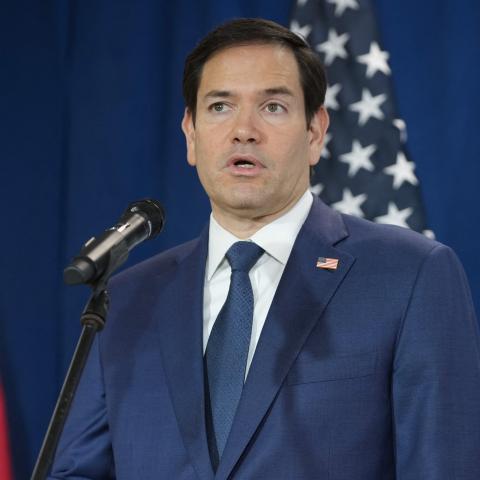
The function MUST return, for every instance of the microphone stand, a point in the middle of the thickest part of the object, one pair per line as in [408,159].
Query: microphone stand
[93,320]
[142,220]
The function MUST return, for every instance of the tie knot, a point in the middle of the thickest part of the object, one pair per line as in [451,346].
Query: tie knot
[243,255]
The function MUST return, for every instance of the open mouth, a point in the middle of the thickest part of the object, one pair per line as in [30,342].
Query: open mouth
[242,163]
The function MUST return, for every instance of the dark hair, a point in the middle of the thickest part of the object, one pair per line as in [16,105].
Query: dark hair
[247,31]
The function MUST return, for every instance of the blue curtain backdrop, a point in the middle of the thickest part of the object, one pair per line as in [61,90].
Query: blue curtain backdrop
[90,102]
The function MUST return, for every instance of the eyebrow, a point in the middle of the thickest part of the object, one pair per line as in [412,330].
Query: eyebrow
[218,93]
[279,91]
[267,91]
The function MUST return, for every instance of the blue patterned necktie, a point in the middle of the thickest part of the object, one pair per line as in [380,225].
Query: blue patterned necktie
[227,348]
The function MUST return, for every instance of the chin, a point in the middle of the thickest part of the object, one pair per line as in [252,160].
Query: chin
[246,204]
[247,197]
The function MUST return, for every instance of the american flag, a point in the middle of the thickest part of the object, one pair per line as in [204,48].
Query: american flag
[364,169]
[327,263]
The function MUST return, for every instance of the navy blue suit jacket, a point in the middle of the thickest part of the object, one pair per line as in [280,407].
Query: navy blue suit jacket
[367,372]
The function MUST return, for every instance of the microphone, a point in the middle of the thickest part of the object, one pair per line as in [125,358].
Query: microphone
[99,257]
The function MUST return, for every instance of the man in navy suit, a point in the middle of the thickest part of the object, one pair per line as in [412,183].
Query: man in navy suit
[363,355]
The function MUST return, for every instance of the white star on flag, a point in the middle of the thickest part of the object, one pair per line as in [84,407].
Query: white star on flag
[325,152]
[350,204]
[342,5]
[429,234]
[334,47]
[368,107]
[402,171]
[302,32]
[375,60]
[395,216]
[402,127]
[301,3]
[317,189]
[358,158]
[331,96]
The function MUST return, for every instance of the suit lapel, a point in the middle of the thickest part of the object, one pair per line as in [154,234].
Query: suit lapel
[302,295]
[181,335]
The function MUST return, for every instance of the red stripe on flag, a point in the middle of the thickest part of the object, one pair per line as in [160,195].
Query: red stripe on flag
[5,464]
[327,263]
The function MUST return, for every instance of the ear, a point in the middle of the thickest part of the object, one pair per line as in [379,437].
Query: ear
[317,129]
[188,129]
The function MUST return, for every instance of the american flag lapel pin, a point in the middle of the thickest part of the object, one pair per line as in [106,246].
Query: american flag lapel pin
[327,263]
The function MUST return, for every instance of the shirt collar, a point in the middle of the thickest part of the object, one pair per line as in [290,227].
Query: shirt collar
[276,238]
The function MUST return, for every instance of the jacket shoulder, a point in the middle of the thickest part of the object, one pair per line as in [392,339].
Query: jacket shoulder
[365,235]
[161,262]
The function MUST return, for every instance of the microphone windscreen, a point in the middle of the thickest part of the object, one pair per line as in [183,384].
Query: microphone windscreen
[153,212]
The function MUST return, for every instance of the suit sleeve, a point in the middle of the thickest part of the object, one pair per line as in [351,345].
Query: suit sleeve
[84,451]
[436,377]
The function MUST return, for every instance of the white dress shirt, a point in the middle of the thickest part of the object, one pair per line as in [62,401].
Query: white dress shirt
[277,239]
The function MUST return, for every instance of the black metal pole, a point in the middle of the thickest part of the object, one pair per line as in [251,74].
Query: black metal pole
[93,320]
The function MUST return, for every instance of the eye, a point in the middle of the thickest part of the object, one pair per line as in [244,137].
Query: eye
[274,108]
[218,107]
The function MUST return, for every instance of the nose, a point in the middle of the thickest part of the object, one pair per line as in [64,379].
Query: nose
[245,129]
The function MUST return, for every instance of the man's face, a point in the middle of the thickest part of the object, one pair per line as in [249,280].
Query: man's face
[250,142]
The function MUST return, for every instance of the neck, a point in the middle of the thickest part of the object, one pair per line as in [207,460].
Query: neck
[244,224]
